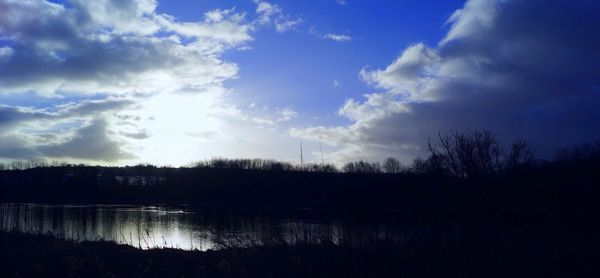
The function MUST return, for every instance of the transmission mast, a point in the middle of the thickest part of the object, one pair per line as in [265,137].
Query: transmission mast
[301,156]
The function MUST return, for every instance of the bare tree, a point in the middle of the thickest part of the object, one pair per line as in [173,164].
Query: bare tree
[580,152]
[392,166]
[473,154]
[362,167]
[419,166]
[521,153]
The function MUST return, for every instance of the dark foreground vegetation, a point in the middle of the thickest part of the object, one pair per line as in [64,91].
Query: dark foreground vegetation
[472,252]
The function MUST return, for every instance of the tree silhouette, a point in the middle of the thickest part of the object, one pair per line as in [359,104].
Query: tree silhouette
[362,166]
[476,154]
[392,166]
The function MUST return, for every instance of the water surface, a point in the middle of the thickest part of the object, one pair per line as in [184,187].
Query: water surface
[176,227]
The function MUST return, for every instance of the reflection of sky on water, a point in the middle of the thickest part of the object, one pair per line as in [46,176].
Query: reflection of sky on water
[144,227]
[161,226]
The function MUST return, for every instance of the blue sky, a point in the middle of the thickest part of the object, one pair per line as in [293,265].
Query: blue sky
[312,65]
[170,82]
[298,68]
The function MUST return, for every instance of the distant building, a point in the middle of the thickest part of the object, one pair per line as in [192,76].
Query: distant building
[141,180]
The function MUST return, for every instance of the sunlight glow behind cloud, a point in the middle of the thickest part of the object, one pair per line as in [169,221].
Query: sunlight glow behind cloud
[159,80]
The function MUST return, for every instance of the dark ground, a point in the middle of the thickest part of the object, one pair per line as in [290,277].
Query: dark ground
[514,252]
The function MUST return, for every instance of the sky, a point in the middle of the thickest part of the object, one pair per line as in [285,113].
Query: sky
[117,82]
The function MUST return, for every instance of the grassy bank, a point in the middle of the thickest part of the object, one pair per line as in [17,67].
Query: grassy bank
[468,254]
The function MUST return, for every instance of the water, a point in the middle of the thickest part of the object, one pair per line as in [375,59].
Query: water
[176,227]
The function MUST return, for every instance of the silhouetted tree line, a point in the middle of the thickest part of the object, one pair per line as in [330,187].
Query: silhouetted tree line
[470,154]
[475,154]
[463,170]
[262,165]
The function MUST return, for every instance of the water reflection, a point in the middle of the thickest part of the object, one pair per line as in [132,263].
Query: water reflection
[161,226]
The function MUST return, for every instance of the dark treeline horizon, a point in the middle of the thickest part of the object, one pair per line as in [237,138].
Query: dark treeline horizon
[466,154]
[466,171]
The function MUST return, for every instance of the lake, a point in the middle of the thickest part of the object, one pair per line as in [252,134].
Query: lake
[182,227]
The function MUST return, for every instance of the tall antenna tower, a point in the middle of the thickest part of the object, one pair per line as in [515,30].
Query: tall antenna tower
[321,148]
[301,157]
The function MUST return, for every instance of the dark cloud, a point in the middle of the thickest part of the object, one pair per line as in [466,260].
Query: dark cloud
[15,147]
[91,142]
[11,116]
[522,69]
[142,134]
[48,140]
[94,107]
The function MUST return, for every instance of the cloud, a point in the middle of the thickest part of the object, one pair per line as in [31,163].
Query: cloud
[409,74]
[272,14]
[117,78]
[113,47]
[62,131]
[337,37]
[272,117]
[5,53]
[11,116]
[329,36]
[117,82]
[522,69]
[93,107]
[341,2]
[286,114]
[91,142]
[266,11]
[142,134]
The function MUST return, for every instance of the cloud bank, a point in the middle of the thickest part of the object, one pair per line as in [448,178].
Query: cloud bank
[522,69]
[124,82]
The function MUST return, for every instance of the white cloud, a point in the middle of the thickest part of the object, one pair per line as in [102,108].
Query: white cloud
[267,117]
[114,47]
[287,25]
[286,114]
[272,14]
[5,53]
[337,37]
[329,36]
[267,11]
[410,74]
